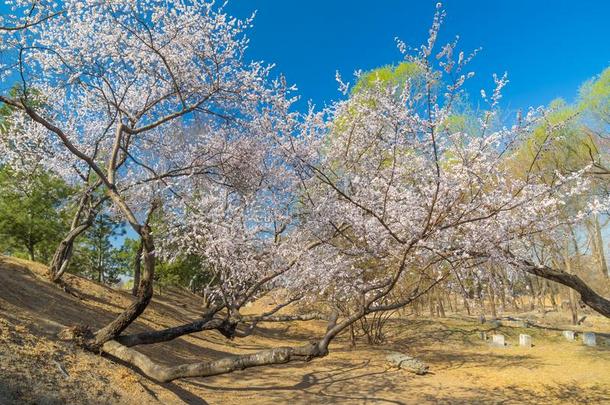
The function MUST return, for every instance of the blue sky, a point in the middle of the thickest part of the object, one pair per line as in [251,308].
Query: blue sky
[547,47]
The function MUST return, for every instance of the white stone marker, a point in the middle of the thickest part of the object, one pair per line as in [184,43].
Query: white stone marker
[588,338]
[569,335]
[525,340]
[497,340]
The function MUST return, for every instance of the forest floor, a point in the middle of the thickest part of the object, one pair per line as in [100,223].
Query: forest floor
[37,367]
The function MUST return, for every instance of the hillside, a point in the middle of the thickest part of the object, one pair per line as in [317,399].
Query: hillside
[38,367]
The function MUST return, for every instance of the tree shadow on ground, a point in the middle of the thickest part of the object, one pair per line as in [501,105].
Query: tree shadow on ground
[329,385]
[546,394]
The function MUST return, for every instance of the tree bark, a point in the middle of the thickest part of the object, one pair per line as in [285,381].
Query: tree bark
[63,253]
[587,294]
[166,335]
[65,249]
[161,373]
[137,268]
[230,364]
[145,293]
[598,247]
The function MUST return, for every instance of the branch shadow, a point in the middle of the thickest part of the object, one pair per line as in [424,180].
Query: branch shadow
[328,385]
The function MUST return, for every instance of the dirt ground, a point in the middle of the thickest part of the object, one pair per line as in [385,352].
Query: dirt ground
[37,367]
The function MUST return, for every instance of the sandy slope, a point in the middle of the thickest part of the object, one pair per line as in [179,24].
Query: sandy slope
[37,367]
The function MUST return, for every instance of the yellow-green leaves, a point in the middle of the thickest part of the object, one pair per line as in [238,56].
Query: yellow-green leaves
[595,95]
[558,143]
[389,75]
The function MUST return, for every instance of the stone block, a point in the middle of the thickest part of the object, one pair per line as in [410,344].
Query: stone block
[525,340]
[408,363]
[569,335]
[589,339]
[498,340]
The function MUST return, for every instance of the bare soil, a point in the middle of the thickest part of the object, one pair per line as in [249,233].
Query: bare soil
[38,367]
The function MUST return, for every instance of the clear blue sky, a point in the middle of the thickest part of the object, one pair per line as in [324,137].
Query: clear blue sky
[547,47]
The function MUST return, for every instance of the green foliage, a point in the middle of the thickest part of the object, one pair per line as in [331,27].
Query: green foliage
[559,143]
[33,214]
[96,257]
[187,271]
[595,96]
[390,75]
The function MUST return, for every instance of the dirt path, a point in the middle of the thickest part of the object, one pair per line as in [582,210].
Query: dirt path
[37,367]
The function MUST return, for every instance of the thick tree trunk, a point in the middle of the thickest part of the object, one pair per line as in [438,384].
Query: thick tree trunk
[161,373]
[143,297]
[229,364]
[137,266]
[587,294]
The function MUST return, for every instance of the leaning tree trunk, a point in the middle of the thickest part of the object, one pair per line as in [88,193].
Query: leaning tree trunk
[119,349]
[588,296]
[162,373]
[65,249]
[63,253]
[143,297]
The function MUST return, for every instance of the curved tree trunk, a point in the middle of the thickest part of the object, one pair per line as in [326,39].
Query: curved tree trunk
[233,363]
[64,251]
[224,365]
[587,294]
[143,297]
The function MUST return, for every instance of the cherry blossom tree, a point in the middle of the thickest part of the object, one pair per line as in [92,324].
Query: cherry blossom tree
[389,197]
[372,201]
[115,83]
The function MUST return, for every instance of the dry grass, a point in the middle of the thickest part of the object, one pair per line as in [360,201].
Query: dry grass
[37,367]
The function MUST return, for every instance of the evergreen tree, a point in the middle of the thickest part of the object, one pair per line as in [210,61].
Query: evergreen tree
[32,212]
